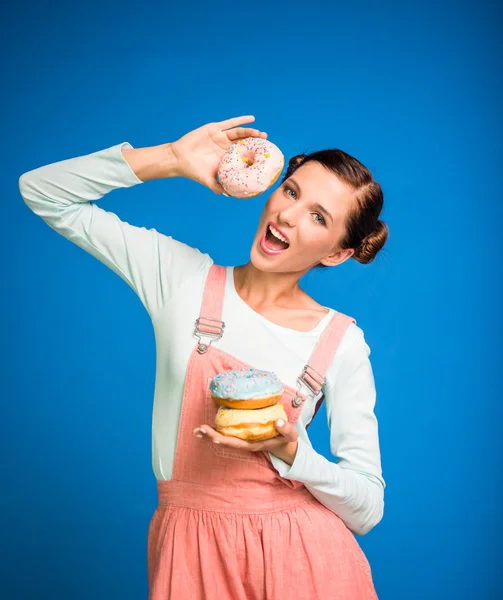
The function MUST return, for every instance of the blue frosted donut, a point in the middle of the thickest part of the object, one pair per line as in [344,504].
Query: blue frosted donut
[251,388]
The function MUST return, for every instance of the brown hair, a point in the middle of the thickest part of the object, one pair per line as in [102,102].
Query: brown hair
[365,232]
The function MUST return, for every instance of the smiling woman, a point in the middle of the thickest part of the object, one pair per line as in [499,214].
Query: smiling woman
[348,213]
[236,519]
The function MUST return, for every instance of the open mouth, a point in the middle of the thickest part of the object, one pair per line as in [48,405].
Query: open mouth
[273,241]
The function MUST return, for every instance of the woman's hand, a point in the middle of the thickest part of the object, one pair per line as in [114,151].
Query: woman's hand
[198,153]
[284,446]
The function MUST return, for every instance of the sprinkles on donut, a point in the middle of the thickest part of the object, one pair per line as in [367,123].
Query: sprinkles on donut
[250,167]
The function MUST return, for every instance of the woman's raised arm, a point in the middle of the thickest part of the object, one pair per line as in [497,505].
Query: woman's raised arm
[63,194]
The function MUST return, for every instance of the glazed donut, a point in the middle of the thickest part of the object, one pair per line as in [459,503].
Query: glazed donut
[250,425]
[246,389]
[249,167]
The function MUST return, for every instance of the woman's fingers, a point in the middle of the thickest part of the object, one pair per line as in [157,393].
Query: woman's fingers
[224,440]
[236,122]
[269,445]
[240,133]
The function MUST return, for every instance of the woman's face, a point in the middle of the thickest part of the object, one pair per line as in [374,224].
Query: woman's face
[309,210]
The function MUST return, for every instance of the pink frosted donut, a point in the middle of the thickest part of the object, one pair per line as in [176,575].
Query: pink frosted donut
[249,167]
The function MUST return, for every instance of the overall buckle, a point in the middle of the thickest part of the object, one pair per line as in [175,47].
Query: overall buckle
[212,328]
[314,375]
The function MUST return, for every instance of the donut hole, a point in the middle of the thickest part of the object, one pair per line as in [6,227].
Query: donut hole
[248,158]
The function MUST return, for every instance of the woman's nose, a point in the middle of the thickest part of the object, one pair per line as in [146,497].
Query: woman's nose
[287,217]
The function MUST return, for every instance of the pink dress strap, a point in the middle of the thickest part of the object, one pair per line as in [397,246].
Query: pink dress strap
[214,291]
[323,354]
[210,321]
[325,350]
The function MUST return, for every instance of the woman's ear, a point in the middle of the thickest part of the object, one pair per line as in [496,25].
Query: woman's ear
[337,258]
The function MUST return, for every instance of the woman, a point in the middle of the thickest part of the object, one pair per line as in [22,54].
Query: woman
[238,520]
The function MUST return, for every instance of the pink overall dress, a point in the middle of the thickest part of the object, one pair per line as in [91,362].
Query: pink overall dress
[228,526]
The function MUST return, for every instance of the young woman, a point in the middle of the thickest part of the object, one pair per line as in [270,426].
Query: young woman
[244,520]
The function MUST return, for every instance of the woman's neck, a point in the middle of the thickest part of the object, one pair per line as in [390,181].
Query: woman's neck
[261,288]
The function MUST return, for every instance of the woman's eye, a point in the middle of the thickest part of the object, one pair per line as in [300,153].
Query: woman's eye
[291,193]
[288,190]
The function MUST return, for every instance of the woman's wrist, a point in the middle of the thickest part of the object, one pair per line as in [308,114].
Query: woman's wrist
[153,162]
[287,452]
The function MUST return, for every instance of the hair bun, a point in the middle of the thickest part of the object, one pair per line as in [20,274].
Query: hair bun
[372,243]
[293,164]
[295,160]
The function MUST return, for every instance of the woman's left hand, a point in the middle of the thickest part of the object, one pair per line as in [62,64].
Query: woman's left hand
[284,445]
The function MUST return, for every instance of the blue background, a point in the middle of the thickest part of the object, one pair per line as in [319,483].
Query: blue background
[412,90]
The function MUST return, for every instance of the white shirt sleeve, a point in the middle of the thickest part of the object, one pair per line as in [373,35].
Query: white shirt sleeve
[354,487]
[151,263]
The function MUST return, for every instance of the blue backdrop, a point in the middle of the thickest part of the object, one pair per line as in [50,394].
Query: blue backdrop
[412,90]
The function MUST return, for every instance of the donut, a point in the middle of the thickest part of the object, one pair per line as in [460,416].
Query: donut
[250,425]
[246,389]
[249,167]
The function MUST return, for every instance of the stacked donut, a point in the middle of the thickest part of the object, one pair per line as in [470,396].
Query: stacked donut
[248,402]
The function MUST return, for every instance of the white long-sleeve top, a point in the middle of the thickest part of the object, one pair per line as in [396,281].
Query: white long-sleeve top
[168,276]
